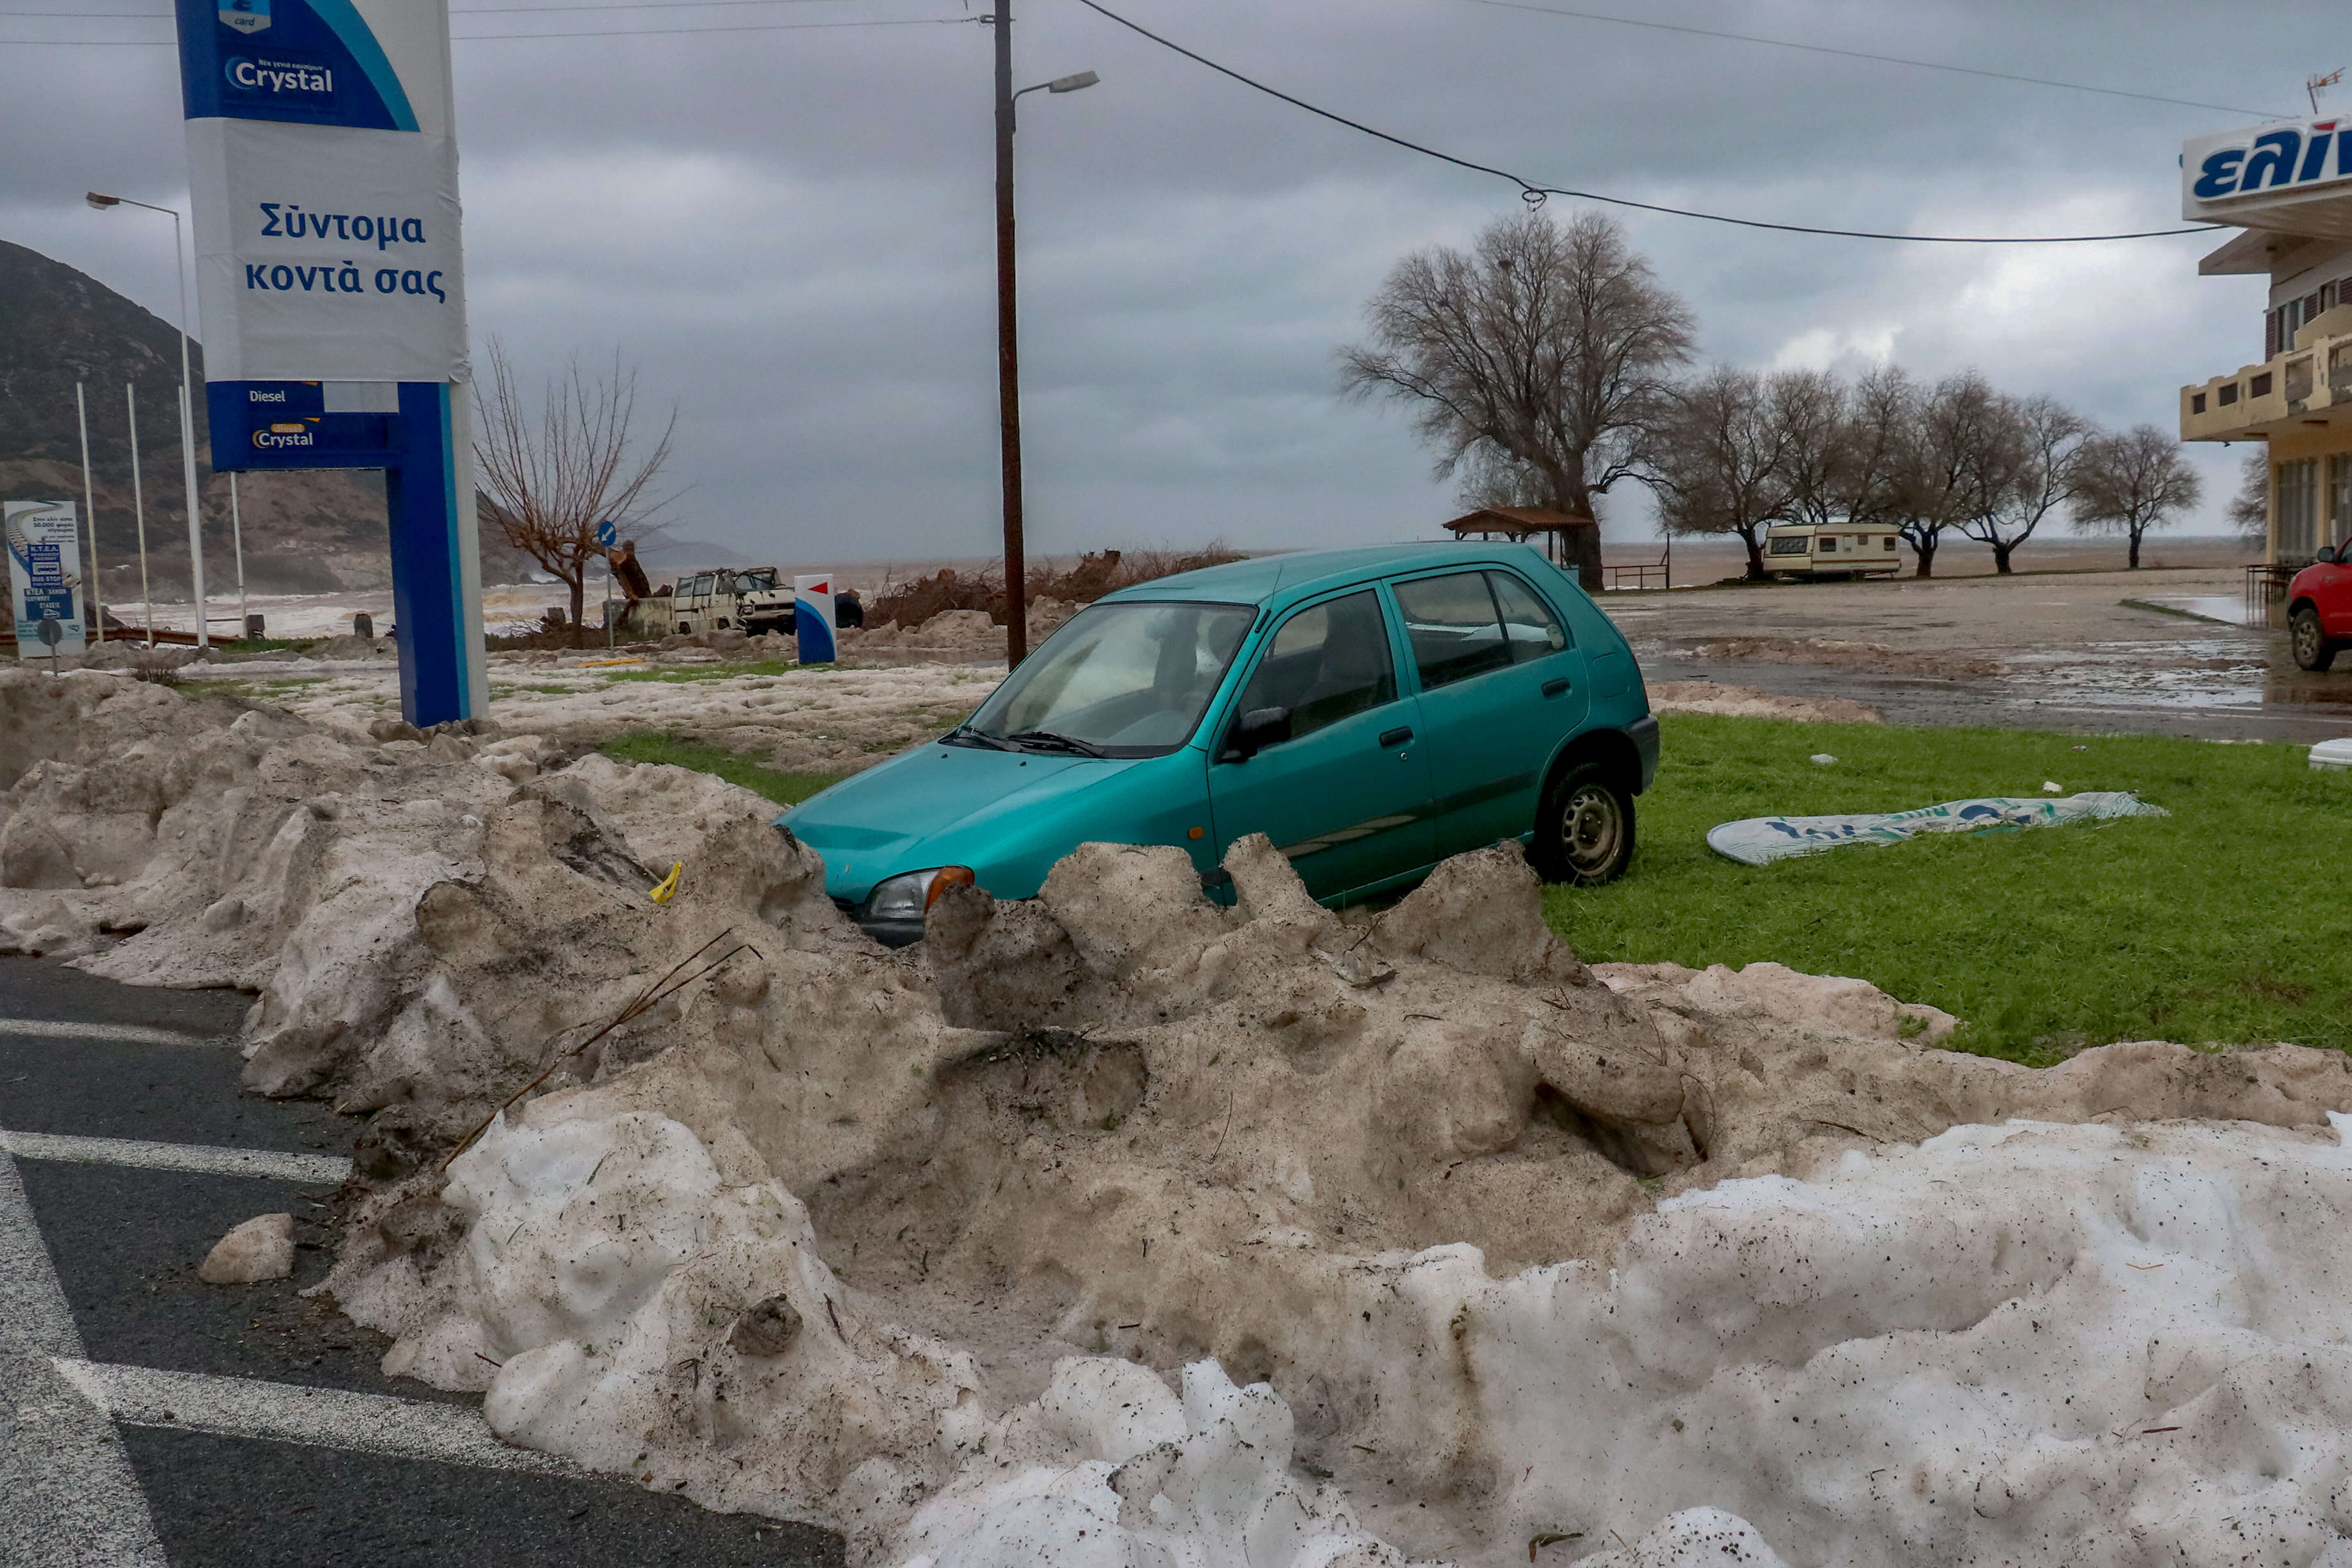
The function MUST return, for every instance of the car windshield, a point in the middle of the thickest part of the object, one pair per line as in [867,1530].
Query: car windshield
[1128,680]
[746,582]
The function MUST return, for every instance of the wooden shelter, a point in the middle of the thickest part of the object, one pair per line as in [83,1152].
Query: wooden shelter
[1568,538]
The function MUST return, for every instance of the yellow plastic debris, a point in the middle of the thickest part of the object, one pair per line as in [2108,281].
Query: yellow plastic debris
[661,895]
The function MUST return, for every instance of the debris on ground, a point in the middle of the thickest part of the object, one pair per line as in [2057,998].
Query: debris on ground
[1116,1224]
[1869,657]
[260,1248]
[1760,840]
[1748,702]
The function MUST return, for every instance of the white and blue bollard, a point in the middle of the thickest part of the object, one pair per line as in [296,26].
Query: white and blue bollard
[813,619]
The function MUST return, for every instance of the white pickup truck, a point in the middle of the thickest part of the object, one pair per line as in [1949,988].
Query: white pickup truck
[749,599]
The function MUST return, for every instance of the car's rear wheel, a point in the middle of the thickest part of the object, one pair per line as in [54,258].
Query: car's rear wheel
[2313,648]
[1584,829]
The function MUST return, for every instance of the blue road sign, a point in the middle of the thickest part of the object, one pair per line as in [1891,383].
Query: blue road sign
[608,534]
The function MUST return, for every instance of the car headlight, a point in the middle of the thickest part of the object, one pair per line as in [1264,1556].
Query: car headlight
[911,896]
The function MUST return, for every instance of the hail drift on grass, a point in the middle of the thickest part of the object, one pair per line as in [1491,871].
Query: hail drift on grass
[1117,1226]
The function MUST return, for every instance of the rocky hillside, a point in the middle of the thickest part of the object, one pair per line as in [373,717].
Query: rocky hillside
[303,532]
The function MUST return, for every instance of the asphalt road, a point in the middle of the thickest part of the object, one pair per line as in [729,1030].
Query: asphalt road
[148,1418]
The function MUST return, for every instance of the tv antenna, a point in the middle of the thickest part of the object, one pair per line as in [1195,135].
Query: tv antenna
[2315,85]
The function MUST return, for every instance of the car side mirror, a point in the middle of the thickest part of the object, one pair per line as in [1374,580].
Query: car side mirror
[2327,554]
[1258,729]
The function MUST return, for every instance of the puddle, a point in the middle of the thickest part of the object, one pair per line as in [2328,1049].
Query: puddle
[2209,672]
[2229,609]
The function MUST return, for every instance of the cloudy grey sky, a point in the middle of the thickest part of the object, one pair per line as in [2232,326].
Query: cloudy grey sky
[789,231]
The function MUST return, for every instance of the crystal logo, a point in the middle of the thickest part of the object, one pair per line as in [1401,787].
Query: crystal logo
[282,436]
[248,17]
[279,76]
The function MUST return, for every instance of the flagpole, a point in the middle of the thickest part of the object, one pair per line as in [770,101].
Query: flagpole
[139,508]
[90,511]
[236,536]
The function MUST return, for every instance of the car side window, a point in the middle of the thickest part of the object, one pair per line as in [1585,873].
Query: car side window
[1328,662]
[1454,628]
[1530,624]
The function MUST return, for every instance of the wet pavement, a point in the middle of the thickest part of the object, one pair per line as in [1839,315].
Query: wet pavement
[2241,686]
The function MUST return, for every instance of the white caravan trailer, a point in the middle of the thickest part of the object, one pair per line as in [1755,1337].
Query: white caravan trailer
[1831,550]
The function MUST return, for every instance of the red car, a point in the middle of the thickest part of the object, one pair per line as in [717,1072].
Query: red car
[2319,607]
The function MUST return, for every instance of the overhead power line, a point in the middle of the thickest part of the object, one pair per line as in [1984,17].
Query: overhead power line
[1862,55]
[1534,194]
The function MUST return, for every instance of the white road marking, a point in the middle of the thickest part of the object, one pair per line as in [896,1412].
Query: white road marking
[291,1412]
[125,1034]
[71,1495]
[326,1168]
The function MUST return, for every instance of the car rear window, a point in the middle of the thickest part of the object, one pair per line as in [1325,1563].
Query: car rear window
[1530,625]
[1455,630]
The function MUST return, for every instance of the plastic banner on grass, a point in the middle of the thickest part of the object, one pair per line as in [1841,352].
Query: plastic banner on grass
[1760,840]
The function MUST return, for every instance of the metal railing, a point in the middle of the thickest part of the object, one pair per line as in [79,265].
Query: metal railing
[2265,586]
[1640,572]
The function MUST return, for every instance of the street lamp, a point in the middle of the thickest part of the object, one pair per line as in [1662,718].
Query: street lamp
[1008,342]
[187,413]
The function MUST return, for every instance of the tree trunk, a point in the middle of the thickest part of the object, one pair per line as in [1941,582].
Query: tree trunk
[1580,549]
[2001,550]
[2135,549]
[1755,554]
[1924,547]
[577,582]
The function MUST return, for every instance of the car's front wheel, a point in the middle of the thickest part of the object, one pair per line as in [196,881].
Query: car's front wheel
[2313,648]
[1584,829]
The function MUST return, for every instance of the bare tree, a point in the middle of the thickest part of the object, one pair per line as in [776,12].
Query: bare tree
[2250,510]
[2029,458]
[1957,464]
[1491,476]
[2137,480]
[1721,461]
[554,475]
[1550,346]
[1810,408]
[1879,436]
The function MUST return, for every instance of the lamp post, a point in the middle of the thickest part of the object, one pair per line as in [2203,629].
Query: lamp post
[1008,338]
[187,416]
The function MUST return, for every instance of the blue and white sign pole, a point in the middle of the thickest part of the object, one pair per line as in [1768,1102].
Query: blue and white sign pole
[322,159]
[608,533]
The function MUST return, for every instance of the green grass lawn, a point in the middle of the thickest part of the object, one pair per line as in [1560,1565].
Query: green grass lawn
[2229,921]
[784,788]
[710,671]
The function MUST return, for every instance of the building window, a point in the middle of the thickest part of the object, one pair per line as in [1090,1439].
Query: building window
[2270,334]
[2229,394]
[2196,403]
[2258,385]
[2298,510]
[2339,498]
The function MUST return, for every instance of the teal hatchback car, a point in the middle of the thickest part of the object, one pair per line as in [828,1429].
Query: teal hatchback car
[1371,710]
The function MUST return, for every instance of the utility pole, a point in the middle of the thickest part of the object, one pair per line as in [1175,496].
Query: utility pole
[1008,353]
[1008,335]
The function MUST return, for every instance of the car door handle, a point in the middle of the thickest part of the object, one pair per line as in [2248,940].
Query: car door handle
[1396,737]
[1554,688]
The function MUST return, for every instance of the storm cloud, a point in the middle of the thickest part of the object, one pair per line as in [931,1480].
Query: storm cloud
[789,230]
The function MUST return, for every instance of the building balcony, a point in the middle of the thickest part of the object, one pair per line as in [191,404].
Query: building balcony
[2309,386]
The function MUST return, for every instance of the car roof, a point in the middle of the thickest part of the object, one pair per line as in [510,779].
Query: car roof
[1265,579]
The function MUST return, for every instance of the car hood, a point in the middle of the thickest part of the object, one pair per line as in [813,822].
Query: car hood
[936,805]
